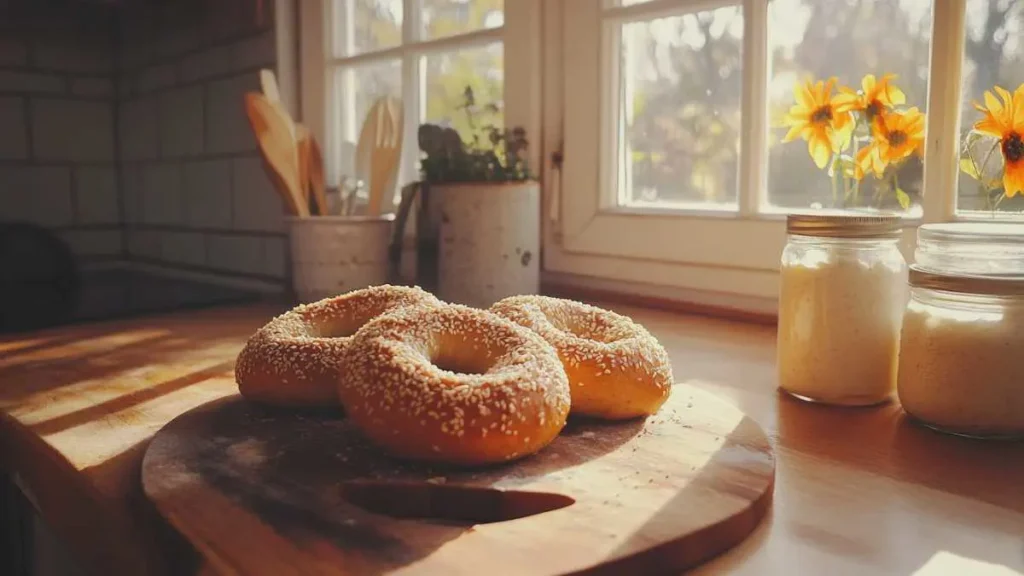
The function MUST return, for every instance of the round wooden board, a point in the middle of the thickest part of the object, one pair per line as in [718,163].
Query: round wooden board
[265,491]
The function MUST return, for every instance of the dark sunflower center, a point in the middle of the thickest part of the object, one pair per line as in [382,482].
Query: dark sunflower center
[1013,148]
[873,110]
[897,138]
[823,114]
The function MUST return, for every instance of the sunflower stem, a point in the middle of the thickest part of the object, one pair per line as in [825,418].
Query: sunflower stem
[835,185]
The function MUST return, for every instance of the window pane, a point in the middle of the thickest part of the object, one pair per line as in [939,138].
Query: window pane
[681,81]
[848,39]
[994,56]
[358,88]
[450,17]
[447,76]
[375,25]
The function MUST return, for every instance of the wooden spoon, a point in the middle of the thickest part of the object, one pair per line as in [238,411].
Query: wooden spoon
[385,154]
[277,145]
[316,176]
[373,124]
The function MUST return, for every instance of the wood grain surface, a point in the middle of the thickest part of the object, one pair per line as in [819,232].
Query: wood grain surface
[857,491]
[665,493]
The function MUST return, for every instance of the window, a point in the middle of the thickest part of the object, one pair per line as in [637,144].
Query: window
[676,114]
[993,56]
[423,52]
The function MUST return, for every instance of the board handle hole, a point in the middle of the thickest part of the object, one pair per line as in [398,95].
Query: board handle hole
[450,504]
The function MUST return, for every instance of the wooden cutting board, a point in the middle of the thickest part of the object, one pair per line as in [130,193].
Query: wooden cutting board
[265,491]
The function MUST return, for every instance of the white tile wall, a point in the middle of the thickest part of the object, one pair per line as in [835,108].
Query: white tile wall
[28,82]
[227,126]
[161,194]
[254,52]
[39,194]
[183,248]
[72,130]
[132,187]
[13,134]
[138,129]
[96,195]
[154,77]
[13,51]
[275,253]
[207,190]
[70,56]
[90,243]
[216,61]
[93,86]
[258,206]
[144,243]
[181,122]
[235,253]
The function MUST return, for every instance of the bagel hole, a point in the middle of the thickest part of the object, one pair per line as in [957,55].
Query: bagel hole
[449,504]
[586,326]
[341,328]
[461,360]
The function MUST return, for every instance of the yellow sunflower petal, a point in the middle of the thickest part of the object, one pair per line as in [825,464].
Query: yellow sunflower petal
[819,150]
[1006,97]
[988,125]
[794,133]
[894,96]
[1017,118]
[868,83]
[803,96]
[846,101]
[1013,179]
[993,105]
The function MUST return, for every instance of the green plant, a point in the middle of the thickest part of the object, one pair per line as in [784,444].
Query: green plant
[491,154]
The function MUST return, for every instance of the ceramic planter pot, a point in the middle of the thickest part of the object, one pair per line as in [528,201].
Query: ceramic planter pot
[336,254]
[488,241]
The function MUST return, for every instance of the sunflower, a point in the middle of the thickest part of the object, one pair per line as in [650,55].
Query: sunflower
[875,98]
[902,136]
[817,118]
[1005,120]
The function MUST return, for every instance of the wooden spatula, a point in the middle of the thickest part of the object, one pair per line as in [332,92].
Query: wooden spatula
[316,176]
[278,147]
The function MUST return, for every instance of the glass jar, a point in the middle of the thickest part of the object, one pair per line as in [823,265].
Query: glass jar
[960,366]
[841,301]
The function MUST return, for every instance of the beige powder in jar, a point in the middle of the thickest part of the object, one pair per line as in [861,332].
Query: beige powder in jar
[961,369]
[840,313]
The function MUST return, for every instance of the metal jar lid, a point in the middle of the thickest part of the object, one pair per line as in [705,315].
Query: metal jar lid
[993,285]
[845,224]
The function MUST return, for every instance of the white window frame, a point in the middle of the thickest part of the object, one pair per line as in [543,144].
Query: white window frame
[318,63]
[720,253]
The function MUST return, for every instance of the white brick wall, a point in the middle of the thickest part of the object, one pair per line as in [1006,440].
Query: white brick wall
[13,134]
[161,194]
[207,190]
[98,86]
[183,248]
[96,195]
[234,253]
[181,122]
[91,243]
[72,130]
[29,82]
[138,129]
[227,126]
[155,77]
[216,61]
[39,194]
[257,206]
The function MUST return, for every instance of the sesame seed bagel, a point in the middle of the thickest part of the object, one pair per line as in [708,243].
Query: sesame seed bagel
[454,385]
[294,359]
[616,368]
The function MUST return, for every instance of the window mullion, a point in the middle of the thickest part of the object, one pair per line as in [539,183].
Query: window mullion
[941,151]
[412,90]
[754,107]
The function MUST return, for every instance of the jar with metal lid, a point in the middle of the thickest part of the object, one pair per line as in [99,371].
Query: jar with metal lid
[841,301]
[961,370]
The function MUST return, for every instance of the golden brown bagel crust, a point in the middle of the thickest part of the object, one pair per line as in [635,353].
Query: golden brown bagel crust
[508,396]
[616,368]
[294,359]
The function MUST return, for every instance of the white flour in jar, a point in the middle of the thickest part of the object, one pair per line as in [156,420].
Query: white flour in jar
[961,369]
[839,327]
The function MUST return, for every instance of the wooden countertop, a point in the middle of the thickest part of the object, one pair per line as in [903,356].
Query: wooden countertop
[858,491]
